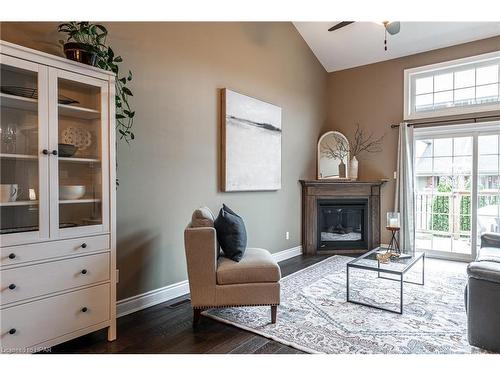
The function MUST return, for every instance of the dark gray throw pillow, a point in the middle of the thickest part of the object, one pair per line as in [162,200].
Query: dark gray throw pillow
[231,233]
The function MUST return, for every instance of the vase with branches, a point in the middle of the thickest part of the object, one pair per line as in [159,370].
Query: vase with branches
[362,143]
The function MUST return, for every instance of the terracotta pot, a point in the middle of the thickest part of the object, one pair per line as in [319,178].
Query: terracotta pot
[80,52]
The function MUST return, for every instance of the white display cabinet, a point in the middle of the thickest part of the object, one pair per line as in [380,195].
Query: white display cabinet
[57,200]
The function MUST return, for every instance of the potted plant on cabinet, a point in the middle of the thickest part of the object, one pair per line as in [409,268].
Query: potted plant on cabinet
[83,41]
[86,43]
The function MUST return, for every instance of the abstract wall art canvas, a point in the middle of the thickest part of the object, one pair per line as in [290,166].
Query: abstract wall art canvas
[251,143]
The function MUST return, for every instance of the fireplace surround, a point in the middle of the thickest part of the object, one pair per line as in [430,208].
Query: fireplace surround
[340,217]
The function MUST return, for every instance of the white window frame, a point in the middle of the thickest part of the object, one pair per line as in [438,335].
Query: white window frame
[409,88]
[452,131]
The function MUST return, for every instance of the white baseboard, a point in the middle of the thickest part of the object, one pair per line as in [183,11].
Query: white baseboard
[153,297]
[287,254]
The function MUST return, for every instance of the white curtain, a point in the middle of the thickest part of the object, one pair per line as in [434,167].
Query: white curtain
[404,198]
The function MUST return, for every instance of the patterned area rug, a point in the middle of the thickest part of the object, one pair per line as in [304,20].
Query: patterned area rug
[315,317]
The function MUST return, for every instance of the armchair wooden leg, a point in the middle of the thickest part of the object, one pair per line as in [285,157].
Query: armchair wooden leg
[274,311]
[196,316]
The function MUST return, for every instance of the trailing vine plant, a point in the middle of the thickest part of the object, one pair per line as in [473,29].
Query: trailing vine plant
[92,37]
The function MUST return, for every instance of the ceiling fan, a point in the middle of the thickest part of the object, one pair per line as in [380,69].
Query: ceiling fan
[390,27]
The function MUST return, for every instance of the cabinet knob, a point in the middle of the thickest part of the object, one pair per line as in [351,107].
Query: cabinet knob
[12,286]
[84,271]
[45,151]
[84,309]
[84,245]
[54,152]
[12,256]
[12,331]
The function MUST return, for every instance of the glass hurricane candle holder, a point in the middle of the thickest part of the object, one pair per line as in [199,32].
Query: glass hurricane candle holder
[393,220]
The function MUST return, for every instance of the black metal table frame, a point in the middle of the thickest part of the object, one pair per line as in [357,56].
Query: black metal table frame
[379,270]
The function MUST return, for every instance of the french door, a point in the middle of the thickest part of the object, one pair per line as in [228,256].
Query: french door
[457,188]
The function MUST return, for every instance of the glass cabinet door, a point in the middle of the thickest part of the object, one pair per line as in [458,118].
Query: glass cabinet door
[23,151]
[79,137]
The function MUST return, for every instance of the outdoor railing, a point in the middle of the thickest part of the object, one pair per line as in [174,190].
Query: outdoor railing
[449,213]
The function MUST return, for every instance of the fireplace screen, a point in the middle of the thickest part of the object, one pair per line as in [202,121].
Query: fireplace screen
[342,224]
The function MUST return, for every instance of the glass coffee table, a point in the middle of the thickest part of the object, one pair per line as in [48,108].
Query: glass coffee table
[395,270]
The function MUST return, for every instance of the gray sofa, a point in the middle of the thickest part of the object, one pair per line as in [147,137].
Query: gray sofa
[482,295]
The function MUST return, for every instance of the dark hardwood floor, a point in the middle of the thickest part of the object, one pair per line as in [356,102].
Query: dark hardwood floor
[166,328]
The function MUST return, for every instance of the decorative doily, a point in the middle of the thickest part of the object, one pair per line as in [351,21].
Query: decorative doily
[77,137]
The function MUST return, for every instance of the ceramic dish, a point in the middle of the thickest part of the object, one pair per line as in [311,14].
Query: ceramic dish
[70,192]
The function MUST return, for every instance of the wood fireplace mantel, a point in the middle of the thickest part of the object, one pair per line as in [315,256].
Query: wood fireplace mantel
[315,190]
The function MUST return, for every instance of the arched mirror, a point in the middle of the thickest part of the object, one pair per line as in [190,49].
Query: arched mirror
[333,155]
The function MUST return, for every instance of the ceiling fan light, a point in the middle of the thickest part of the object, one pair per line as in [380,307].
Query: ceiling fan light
[393,27]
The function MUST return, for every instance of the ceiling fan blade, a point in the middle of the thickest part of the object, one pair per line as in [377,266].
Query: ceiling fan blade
[340,25]
[393,27]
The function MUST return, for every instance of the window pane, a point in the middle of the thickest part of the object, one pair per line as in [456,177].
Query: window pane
[488,213]
[465,78]
[425,182]
[423,148]
[488,92]
[465,95]
[463,182]
[423,165]
[443,82]
[444,97]
[443,165]
[462,165]
[488,144]
[487,74]
[424,85]
[456,86]
[423,101]
[486,182]
[443,147]
[443,194]
[488,164]
[462,146]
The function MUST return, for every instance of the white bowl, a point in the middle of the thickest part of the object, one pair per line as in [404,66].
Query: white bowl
[70,192]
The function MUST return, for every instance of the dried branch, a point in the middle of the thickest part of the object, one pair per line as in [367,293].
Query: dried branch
[337,151]
[361,143]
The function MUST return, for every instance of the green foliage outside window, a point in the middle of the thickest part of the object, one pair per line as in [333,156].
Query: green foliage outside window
[441,207]
[465,214]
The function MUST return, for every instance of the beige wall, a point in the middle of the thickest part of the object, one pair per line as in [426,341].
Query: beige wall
[372,95]
[172,166]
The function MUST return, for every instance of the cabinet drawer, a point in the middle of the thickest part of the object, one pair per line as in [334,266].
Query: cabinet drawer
[28,253]
[47,319]
[32,281]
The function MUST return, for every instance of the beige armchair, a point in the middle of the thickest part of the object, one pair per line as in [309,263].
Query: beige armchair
[222,282]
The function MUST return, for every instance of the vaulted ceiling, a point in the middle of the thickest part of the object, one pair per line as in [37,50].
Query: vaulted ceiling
[362,43]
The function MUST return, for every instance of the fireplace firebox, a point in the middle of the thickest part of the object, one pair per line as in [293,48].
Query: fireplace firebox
[342,224]
[340,217]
